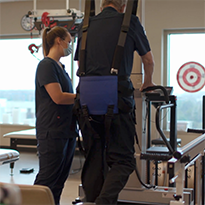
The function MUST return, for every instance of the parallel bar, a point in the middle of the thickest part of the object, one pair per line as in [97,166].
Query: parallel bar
[203,178]
[195,182]
[203,112]
[198,143]
[148,137]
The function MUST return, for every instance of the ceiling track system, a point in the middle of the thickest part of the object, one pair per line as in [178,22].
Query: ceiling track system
[39,19]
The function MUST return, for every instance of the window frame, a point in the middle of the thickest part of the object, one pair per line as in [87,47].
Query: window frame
[165,56]
[165,52]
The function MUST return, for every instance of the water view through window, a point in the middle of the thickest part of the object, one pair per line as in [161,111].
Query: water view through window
[17,79]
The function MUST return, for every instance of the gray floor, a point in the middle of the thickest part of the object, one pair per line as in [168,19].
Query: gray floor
[30,159]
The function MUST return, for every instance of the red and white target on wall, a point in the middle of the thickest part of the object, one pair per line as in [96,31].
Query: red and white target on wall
[191,77]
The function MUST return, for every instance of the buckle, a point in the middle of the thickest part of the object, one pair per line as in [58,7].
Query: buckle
[125,29]
[114,71]
[84,28]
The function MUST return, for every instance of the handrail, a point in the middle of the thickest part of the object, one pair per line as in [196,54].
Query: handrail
[166,96]
[159,108]
[200,131]
[188,147]
[172,180]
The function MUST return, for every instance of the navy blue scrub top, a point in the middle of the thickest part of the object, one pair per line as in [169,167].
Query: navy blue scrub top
[103,33]
[49,115]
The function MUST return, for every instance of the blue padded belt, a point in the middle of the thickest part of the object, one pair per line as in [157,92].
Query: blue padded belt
[97,92]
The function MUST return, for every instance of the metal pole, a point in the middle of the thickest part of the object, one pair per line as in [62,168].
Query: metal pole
[203,112]
[195,197]
[203,158]
[72,62]
[80,5]
[203,180]
[67,4]
[34,5]
[173,124]
[149,139]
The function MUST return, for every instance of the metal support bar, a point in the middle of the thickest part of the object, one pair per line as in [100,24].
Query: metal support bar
[34,6]
[195,197]
[185,167]
[148,137]
[158,112]
[180,179]
[173,123]
[189,149]
[67,4]
[203,178]
[203,112]
[195,151]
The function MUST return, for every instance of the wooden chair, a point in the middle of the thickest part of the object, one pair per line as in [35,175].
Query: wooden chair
[32,194]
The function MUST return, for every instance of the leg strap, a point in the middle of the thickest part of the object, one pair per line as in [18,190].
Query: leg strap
[108,120]
[87,120]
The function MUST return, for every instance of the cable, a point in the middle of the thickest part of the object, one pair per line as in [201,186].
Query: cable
[148,186]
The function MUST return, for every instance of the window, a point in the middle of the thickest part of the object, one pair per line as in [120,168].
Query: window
[183,47]
[17,79]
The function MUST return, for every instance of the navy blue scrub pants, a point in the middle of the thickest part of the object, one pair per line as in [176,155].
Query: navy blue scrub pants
[55,159]
[108,164]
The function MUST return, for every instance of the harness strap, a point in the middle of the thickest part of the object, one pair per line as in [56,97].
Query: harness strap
[89,12]
[131,9]
[82,150]
[87,120]
[116,63]
[135,7]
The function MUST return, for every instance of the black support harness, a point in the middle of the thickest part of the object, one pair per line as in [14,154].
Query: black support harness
[86,96]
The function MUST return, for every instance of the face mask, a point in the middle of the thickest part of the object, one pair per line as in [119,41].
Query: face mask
[68,51]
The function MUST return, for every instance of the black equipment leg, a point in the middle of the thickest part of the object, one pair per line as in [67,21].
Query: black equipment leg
[203,179]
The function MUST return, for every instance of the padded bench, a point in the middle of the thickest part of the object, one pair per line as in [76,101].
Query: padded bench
[22,137]
[8,156]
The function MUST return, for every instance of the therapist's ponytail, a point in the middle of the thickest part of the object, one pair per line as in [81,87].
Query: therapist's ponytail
[49,35]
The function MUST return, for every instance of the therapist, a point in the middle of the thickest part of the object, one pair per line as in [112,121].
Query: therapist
[55,125]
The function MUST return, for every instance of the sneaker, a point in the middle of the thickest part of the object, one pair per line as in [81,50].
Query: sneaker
[78,200]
